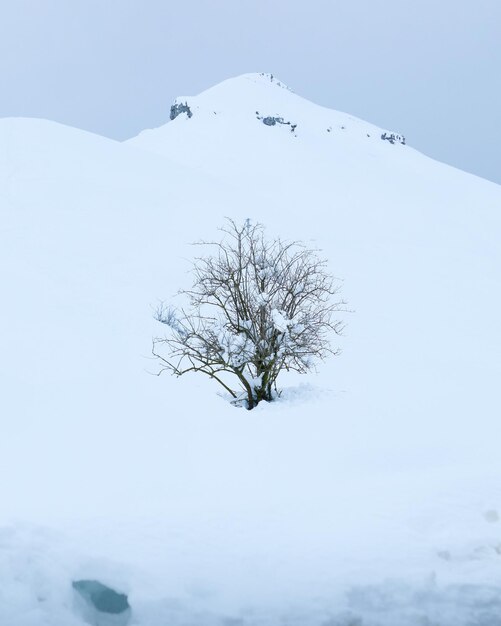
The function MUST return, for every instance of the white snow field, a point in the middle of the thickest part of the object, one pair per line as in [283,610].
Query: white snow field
[368,495]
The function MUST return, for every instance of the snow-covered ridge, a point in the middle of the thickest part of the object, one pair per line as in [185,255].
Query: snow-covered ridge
[266,78]
[244,100]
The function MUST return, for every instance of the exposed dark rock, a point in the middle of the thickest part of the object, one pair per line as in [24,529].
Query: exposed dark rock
[180,107]
[100,602]
[393,138]
[273,79]
[270,120]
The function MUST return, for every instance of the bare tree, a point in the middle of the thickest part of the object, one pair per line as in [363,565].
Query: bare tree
[256,307]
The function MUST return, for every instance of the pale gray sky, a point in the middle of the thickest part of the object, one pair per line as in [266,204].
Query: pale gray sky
[428,69]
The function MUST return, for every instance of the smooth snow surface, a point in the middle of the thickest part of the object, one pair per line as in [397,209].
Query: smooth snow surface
[368,495]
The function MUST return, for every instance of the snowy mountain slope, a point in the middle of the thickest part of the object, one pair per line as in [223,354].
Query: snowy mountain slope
[416,241]
[386,468]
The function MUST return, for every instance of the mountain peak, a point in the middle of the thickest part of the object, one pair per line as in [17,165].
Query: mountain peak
[237,94]
[250,113]
[260,78]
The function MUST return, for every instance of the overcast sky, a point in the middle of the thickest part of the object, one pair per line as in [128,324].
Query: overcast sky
[428,69]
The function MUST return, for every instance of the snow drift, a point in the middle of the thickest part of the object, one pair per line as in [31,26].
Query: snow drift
[369,494]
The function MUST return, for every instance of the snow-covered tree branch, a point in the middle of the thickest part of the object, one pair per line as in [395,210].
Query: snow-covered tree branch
[256,307]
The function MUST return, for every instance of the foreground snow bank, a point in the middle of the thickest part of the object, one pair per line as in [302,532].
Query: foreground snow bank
[286,514]
[39,566]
